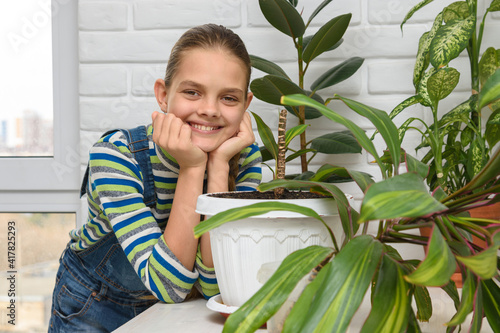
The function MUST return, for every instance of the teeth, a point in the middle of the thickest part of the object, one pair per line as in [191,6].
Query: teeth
[204,128]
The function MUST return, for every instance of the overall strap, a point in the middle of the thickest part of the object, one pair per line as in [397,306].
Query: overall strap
[139,146]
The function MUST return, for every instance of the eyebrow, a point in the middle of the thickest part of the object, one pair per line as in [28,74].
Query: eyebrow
[200,86]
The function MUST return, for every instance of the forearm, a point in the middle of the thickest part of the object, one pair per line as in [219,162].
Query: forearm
[179,230]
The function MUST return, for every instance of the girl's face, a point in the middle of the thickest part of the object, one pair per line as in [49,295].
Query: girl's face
[208,92]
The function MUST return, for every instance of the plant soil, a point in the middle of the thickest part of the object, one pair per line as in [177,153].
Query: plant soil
[269,195]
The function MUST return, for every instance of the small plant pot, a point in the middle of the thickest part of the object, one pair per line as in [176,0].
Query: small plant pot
[240,248]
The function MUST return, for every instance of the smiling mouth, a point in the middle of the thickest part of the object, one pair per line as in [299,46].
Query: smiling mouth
[204,128]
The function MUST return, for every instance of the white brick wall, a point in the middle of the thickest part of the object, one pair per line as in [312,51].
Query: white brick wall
[124,46]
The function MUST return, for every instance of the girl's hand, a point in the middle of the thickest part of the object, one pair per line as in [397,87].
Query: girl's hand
[243,138]
[171,134]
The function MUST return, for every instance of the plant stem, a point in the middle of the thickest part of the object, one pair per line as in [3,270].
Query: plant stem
[302,109]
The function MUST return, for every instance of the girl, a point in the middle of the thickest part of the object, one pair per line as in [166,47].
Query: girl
[133,252]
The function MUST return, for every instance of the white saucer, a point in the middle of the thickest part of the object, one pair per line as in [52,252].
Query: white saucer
[215,304]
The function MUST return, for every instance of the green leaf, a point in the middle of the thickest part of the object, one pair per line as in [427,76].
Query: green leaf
[477,318]
[239,213]
[318,10]
[310,113]
[362,179]
[424,303]
[414,10]
[456,10]
[327,36]
[283,16]
[266,135]
[494,6]
[338,73]
[390,301]
[466,303]
[459,113]
[491,298]
[450,41]
[270,88]
[336,143]
[483,264]
[408,190]
[358,132]
[263,304]
[404,104]
[442,83]
[437,267]
[293,132]
[298,153]
[414,165]
[267,66]
[492,132]
[488,64]
[491,90]
[424,44]
[327,170]
[343,288]
[383,124]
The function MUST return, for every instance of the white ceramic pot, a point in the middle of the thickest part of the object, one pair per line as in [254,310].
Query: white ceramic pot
[240,248]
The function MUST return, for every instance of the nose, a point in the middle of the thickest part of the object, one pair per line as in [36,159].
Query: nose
[209,107]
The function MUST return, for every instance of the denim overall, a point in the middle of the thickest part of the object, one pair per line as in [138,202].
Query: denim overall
[97,290]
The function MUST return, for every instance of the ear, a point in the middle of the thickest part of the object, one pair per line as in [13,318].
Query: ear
[161,94]
[249,99]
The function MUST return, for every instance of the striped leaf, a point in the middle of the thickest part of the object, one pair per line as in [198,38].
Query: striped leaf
[390,301]
[408,190]
[263,304]
[344,286]
[383,124]
[293,132]
[466,302]
[491,298]
[327,36]
[239,213]
[362,179]
[483,264]
[270,88]
[442,83]
[358,132]
[266,135]
[437,267]
[267,66]
[450,41]
[283,16]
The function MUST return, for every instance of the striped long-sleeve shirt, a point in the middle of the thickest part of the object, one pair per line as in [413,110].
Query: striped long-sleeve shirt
[115,204]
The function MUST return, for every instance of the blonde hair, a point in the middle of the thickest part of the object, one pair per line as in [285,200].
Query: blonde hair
[211,36]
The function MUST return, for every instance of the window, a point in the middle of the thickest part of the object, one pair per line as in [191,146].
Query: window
[46,182]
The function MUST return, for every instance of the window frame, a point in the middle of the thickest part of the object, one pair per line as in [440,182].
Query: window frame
[51,184]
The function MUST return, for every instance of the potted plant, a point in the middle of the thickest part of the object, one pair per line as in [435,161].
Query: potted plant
[329,302]
[283,15]
[459,139]
[240,249]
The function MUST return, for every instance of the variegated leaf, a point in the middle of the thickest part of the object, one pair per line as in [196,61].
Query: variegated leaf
[466,302]
[491,90]
[450,41]
[442,83]
[422,88]
[404,104]
[456,11]
[492,132]
[459,113]
[491,297]
[423,59]
[494,6]
[488,64]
